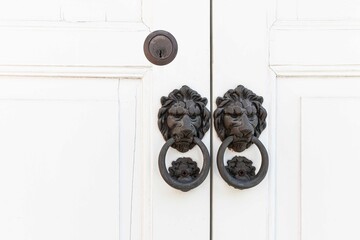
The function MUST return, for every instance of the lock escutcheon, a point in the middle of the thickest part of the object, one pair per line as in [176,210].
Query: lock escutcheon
[160,47]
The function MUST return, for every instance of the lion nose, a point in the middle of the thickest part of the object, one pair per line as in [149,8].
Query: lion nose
[187,133]
[186,121]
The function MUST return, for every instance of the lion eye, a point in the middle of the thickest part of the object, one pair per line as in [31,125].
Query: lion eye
[193,116]
[251,114]
[234,115]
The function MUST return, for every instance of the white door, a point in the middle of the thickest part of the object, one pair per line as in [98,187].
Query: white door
[302,56]
[79,139]
[79,102]
[240,57]
[317,119]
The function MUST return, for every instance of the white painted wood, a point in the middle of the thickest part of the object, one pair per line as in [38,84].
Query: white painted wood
[177,215]
[325,198]
[317,10]
[59,164]
[77,88]
[302,106]
[108,185]
[240,38]
[311,60]
[73,44]
[133,72]
[39,10]
[97,10]
[130,157]
[310,43]
[316,70]
[287,9]
[73,11]
[91,53]
[328,9]
[39,88]
[287,163]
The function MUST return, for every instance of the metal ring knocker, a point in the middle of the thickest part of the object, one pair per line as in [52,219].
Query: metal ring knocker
[184,186]
[237,183]
[183,120]
[239,120]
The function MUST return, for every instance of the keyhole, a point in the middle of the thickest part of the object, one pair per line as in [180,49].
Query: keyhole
[184,173]
[160,47]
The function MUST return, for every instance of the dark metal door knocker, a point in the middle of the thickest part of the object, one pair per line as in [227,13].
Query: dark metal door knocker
[183,120]
[239,120]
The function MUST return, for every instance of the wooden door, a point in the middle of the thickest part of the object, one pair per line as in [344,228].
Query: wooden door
[78,119]
[240,57]
[302,56]
[317,80]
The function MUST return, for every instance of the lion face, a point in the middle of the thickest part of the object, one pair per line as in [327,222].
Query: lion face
[239,114]
[183,116]
[183,121]
[240,121]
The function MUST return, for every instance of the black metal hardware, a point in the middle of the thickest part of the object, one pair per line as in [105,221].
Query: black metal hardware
[183,120]
[184,169]
[160,47]
[241,168]
[184,183]
[239,120]
[243,175]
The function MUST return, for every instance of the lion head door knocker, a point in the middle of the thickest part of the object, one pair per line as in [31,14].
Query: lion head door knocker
[183,120]
[239,120]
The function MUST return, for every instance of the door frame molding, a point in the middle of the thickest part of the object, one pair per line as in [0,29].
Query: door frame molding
[330,41]
[137,72]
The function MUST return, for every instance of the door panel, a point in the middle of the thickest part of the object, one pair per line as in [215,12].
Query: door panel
[59,159]
[179,215]
[87,60]
[78,122]
[316,63]
[321,160]
[240,56]
[311,197]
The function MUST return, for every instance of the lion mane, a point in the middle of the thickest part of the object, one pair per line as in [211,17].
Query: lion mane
[181,95]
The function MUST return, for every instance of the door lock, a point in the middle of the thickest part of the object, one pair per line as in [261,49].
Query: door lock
[160,47]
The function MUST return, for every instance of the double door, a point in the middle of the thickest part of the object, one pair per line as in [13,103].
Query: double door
[79,105]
